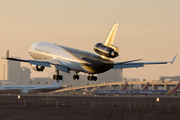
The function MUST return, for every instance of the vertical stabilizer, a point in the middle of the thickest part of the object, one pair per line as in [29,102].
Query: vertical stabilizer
[171,91]
[146,86]
[110,38]
[124,87]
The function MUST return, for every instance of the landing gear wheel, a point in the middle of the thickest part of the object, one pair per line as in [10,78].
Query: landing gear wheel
[54,77]
[92,78]
[95,78]
[88,77]
[76,77]
[57,77]
[60,77]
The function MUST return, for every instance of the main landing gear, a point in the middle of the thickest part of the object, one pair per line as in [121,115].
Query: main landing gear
[92,78]
[57,76]
[76,76]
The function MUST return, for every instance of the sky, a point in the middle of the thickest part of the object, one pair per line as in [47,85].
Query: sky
[147,29]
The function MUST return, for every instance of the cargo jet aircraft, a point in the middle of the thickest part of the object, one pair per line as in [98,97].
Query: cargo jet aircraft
[65,58]
[25,89]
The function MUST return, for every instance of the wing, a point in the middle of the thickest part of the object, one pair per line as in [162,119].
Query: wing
[47,63]
[120,65]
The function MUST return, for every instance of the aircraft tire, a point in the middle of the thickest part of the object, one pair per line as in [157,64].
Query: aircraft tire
[54,77]
[57,77]
[74,77]
[95,78]
[77,77]
[89,77]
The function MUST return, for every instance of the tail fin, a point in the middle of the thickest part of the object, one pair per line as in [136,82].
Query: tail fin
[110,38]
[146,86]
[124,87]
[57,83]
[171,91]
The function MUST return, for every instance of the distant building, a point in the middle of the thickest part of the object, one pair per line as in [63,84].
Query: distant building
[172,78]
[12,72]
[9,70]
[3,69]
[25,76]
[68,79]
[113,75]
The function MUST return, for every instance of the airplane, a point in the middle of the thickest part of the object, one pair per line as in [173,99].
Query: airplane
[141,92]
[161,92]
[104,92]
[66,59]
[25,89]
[121,90]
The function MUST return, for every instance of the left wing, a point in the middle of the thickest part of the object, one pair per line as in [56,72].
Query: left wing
[120,65]
[58,63]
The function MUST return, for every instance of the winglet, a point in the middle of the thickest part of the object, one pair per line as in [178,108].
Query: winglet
[173,59]
[7,54]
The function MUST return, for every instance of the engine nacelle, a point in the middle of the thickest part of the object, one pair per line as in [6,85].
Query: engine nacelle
[105,51]
[24,91]
[37,67]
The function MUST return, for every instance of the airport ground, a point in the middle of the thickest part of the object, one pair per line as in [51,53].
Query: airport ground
[44,112]
[88,107]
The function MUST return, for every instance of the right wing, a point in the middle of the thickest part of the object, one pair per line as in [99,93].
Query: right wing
[58,63]
[130,64]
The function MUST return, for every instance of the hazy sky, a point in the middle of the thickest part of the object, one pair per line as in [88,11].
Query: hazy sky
[147,29]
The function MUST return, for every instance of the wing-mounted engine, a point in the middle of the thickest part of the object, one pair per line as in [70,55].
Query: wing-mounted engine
[37,67]
[108,52]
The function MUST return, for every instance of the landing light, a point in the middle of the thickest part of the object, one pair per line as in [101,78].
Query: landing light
[157,99]
[84,93]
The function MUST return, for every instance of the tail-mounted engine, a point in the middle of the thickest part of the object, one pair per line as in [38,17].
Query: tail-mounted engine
[110,52]
[37,67]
